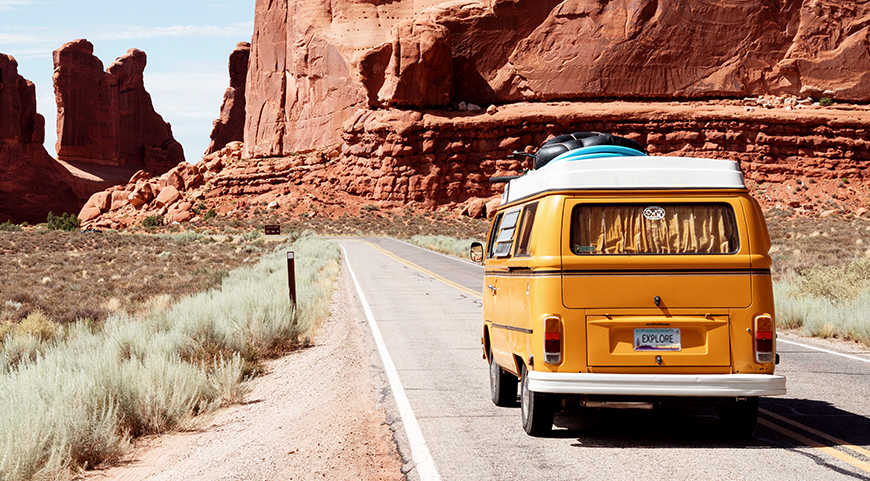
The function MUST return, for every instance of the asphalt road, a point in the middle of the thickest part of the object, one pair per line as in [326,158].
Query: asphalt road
[427,308]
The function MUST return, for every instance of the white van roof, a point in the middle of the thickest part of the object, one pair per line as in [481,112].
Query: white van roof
[640,172]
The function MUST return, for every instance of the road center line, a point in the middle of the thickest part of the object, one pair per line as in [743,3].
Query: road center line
[828,351]
[425,271]
[817,445]
[419,450]
[857,449]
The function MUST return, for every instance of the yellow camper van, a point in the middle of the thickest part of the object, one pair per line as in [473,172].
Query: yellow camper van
[618,279]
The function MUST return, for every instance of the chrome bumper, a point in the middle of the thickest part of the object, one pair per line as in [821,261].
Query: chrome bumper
[701,385]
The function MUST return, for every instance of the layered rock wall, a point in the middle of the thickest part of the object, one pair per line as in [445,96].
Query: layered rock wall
[399,157]
[32,183]
[230,126]
[314,64]
[107,117]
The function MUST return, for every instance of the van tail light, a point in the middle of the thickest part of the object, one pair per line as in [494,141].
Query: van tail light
[552,340]
[764,339]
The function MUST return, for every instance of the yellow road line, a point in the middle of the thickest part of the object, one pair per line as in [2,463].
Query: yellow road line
[837,441]
[817,445]
[425,271]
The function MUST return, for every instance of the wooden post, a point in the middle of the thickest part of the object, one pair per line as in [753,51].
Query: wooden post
[291,277]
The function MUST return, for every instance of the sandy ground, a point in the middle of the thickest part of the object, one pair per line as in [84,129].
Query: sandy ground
[320,413]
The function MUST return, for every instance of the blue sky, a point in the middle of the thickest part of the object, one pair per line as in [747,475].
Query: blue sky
[188,43]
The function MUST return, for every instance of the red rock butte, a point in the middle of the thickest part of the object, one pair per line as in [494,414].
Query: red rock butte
[314,65]
[106,117]
[32,183]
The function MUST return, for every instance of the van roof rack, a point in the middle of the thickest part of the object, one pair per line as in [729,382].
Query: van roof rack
[611,168]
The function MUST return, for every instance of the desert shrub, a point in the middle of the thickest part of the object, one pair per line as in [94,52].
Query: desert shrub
[826,101]
[152,221]
[78,402]
[67,222]
[210,214]
[251,235]
[827,301]
[185,237]
[444,244]
[9,226]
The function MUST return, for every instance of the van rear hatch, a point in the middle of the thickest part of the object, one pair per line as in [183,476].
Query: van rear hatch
[658,341]
[681,255]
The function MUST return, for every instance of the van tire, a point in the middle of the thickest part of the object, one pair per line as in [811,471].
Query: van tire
[502,384]
[739,419]
[537,409]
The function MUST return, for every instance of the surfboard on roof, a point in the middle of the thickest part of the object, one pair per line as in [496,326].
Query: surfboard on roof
[596,161]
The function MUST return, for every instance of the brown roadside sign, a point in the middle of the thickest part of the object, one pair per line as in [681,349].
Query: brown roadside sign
[273,230]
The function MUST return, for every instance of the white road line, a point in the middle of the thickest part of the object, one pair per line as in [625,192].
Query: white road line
[419,450]
[847,356]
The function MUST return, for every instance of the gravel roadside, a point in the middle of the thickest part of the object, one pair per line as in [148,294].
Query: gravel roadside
[320,413]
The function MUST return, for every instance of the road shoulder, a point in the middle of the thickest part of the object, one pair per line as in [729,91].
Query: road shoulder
[320,413]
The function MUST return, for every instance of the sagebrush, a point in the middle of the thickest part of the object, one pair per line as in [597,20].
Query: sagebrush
[73,399]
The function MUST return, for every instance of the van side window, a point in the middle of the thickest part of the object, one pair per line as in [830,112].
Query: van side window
[492,235]
[506,234]
[686,228]
[525,234]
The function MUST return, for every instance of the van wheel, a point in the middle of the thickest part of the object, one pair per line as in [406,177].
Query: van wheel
[537,409]
[739,419]
[502,384]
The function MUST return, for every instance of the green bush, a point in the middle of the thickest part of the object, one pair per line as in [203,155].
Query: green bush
[67,222]
[826,101]
[9,226]
[210,214]
[153,221]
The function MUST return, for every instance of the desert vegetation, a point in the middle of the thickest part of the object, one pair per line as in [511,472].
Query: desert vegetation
[74,275]
[446,244]
[74,394]
[821,269]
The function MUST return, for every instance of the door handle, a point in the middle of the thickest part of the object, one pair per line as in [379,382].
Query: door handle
[493,289]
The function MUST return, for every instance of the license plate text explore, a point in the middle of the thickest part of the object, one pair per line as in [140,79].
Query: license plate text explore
[657,340]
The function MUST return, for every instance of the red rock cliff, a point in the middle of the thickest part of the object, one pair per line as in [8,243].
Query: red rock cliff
[230,127]
[106,117]
[315,63]
[31,182]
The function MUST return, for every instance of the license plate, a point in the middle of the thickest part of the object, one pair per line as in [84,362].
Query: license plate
[657,340]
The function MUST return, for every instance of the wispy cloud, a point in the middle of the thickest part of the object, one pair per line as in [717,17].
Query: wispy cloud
[18,38]
[11,4]
[139,32]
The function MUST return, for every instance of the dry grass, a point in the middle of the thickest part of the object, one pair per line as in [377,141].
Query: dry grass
[803,243]
[74,397]
[401,224]
[73,275]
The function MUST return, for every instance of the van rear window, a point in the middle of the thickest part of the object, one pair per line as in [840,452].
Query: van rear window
[685,228]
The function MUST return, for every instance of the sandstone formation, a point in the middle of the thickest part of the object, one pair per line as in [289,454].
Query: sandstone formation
[106,117]
[230,127]
[315,64]
[32,183]
[793,159]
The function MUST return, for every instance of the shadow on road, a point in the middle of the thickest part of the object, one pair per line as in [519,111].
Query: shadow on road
[699,427]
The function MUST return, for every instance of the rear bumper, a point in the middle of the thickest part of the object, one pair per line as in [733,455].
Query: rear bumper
[700,385]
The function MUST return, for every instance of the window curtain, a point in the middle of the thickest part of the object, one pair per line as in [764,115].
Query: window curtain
[682,229]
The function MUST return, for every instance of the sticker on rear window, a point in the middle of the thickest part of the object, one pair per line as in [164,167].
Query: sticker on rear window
[654,212]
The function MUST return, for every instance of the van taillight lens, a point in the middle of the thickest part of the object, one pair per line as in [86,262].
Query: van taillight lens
[764,339]
[552,340]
